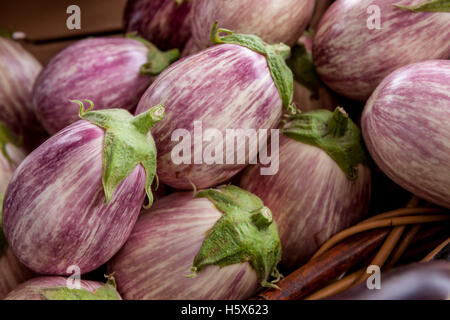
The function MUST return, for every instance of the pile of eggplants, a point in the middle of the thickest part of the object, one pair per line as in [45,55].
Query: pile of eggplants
[358,43]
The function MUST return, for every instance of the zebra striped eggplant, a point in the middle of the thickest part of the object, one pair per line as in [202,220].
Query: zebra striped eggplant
[406,126]
[225,236]
[18,72]
[272,20]
[166,23]
[112,72]
[75,199]
[228,86]
[56,288]
[358,43]
[322,185]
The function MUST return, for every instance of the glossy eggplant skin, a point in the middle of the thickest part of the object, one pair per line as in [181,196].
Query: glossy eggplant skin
[54,211]
[417,281]
[287,19]
[353,53]
[155,261]
[406,127]
[164,23]
[104,70]
[223,87]
[311,198]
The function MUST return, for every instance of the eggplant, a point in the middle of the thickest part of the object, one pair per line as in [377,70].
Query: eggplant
[319,10]
[353,56]
[272,20]
[219,244]
[75,199]
[323,184]
[309,91]
[406,127]
[55,288]
[12,272]
[228,86]
[166,23]
[416,281]
[112,72]
[18,72]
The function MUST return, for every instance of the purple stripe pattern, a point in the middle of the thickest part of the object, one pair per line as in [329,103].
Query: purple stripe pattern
[226,87]
[18,71]
[406,127]
[352,56]
[54,211]
[311,198]
[104,70]
[163,22]
[154,262]
[273,21]
[30,290]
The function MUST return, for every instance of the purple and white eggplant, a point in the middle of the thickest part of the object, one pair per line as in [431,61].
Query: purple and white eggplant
[166,23]
[417,281]
[358,43]
[406,127]
[225,236]
[241,83]
[18,72]
[112,72]
[273,21]
[75,199]
[322,185]
[309,91]
[59,288]
[12,272]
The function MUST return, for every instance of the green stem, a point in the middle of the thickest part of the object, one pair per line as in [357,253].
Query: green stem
[428,6]
[338,123]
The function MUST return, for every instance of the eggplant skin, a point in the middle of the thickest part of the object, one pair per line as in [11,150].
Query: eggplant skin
[311,198]
[7,167]
[154,262]
[352,59]
[417,281]
[274,21]
[162,22]
[12,273]
[54,211]
[225,87]
[406,127]
[18,72]
[104,70]
[30,290]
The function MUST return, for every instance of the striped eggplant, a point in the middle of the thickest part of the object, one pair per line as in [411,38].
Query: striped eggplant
[12,272]
[309,91]
[18,72]
[272,20]
[417,281]
[228,86]
[166,23]
[112,72]
[323,184]
[8,163]
[59,288]
[358,43]
[219,244]
[406,127]
[74,200]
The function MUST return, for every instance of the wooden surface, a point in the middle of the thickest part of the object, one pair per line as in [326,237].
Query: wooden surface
[44,22]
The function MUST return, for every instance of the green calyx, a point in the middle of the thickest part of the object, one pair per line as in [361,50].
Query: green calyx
[157,60]
[246,232]
[333,132]
[302,65]
[127,144]
[106,292]
[428,6]
[3,242]
[6,136]
[275,55]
